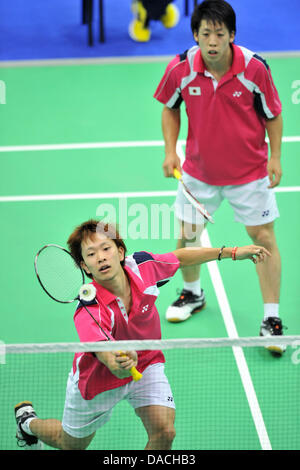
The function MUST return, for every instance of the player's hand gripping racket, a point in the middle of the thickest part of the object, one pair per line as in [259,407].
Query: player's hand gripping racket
[198,206]
[63,280]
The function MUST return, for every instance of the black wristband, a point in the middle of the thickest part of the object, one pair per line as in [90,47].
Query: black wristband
[220,253]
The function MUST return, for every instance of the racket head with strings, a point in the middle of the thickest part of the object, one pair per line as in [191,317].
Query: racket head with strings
[192,199]
[58,273]
[62,279]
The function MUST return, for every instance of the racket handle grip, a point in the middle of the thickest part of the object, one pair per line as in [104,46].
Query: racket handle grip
[136,375]
[177,174]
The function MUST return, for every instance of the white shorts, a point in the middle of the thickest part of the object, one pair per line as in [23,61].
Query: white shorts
[253,203]
[82,417]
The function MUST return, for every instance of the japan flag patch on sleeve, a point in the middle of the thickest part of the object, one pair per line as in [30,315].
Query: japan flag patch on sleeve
[195,90]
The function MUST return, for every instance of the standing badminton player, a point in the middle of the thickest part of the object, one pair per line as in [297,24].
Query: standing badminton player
[126,291]
[231,102]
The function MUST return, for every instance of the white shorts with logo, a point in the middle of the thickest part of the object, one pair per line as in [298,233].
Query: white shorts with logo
[253,203]
[82,417]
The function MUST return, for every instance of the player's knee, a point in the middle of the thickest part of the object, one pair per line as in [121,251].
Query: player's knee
[263,237]
[56,436]
[72,443]
[166,435]
[169,434]
[190,233]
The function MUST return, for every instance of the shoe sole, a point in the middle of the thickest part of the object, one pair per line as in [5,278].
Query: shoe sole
[23,403]
[276,351]
[36,446]
[178,320]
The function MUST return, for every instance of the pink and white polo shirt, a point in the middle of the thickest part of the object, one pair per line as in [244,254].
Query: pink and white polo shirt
[226,119]
[146,272]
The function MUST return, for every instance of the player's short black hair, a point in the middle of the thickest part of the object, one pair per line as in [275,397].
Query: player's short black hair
[216,11]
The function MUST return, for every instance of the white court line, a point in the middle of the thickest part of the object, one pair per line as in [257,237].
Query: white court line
[237,351]
[287,189]
[82,145]
[67,197]
[121,60]
[119,195]
[102,145]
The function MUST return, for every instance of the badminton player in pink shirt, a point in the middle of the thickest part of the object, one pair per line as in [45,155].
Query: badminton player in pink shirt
[126,291]
[231,104]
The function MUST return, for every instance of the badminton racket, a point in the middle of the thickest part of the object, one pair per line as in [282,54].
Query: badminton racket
[192,199]
[63,281]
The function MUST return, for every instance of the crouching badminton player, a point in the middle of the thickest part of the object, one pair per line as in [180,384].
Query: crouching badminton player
[126,291]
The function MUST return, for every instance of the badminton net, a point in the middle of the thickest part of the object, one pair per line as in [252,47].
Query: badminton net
[230,394]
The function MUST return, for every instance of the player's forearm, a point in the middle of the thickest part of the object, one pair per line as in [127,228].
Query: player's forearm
[197,255]
[274,130]
[190,256]
[170,128]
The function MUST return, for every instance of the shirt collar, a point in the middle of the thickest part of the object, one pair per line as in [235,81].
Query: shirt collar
[107,297]
[238,62]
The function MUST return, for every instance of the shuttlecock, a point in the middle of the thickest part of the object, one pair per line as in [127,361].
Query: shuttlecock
[87,292]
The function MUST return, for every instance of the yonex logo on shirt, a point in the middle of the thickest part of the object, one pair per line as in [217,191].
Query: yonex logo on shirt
[195,90]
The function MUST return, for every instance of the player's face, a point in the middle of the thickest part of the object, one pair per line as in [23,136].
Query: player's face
[101,258]
[214,41]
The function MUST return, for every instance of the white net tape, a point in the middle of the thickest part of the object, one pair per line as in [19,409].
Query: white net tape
[182,343]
